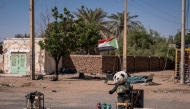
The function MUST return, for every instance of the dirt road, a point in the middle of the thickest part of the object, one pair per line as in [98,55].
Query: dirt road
[85,93]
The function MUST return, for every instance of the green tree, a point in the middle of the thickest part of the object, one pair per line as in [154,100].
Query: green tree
[170,39]
[22,36]
[116,23]
[139,42]
[97,16]
[61,40]
[147,43]
[177,38]
[187,38]
[87,35]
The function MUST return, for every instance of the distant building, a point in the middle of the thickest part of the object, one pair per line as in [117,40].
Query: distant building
[172,45]
[16,53]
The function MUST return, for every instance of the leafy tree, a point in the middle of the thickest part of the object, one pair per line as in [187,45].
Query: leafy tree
[171,54]
[141,42]
[170,39]
[138,42]
[177,38]
[187,38]
[87,35]
[61,40]
[22,36]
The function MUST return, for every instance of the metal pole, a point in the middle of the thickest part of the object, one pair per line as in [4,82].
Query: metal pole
[182,70]
[32,37]
[125,38]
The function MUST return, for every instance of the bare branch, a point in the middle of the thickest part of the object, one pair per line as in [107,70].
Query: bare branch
[43,22]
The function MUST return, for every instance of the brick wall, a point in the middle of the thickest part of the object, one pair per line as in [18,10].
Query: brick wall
[84,63]
[154,63]
[166,65]
[110,62]
[130,63]
[162,63]
[100,64]
[142,63]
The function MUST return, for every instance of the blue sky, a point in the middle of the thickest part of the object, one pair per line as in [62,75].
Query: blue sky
[163,16]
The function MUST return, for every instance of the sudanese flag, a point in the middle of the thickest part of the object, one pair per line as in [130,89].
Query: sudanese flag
[107,44]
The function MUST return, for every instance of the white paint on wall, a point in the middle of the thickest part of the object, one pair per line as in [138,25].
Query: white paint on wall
[43,62]
[1,58]
[23,45]
[8,53]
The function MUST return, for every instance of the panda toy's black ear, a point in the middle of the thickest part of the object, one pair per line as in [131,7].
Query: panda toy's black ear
[128,74]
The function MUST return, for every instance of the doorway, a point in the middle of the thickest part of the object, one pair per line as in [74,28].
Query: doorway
[18,63]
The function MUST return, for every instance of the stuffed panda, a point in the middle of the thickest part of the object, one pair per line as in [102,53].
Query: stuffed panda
[122,87]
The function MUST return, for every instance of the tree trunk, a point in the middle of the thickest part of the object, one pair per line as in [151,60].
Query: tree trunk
[56,67]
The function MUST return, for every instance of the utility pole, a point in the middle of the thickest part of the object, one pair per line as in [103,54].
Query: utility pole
[182,70]
[32,37]
[125,38]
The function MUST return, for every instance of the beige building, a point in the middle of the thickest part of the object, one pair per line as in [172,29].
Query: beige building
[16,53]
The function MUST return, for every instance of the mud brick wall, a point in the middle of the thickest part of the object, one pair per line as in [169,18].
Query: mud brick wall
[154,63]
[142,63]
[169,64]
[110,63]
[162,63]
[83,63]
[102,64]
[130,63]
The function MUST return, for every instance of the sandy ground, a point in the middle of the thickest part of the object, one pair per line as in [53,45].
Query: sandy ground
[86,93]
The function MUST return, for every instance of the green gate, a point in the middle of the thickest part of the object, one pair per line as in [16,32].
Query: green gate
[18,63]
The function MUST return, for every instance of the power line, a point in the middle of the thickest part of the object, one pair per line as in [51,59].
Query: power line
[160,10]
[151,13]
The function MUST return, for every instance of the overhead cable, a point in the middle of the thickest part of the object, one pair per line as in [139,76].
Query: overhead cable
[151,13]
[160,10]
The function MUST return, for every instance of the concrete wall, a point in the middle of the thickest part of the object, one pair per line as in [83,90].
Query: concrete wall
[50,63]
[22,45]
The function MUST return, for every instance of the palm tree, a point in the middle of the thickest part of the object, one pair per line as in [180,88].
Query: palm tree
[116,23]
[91,16]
